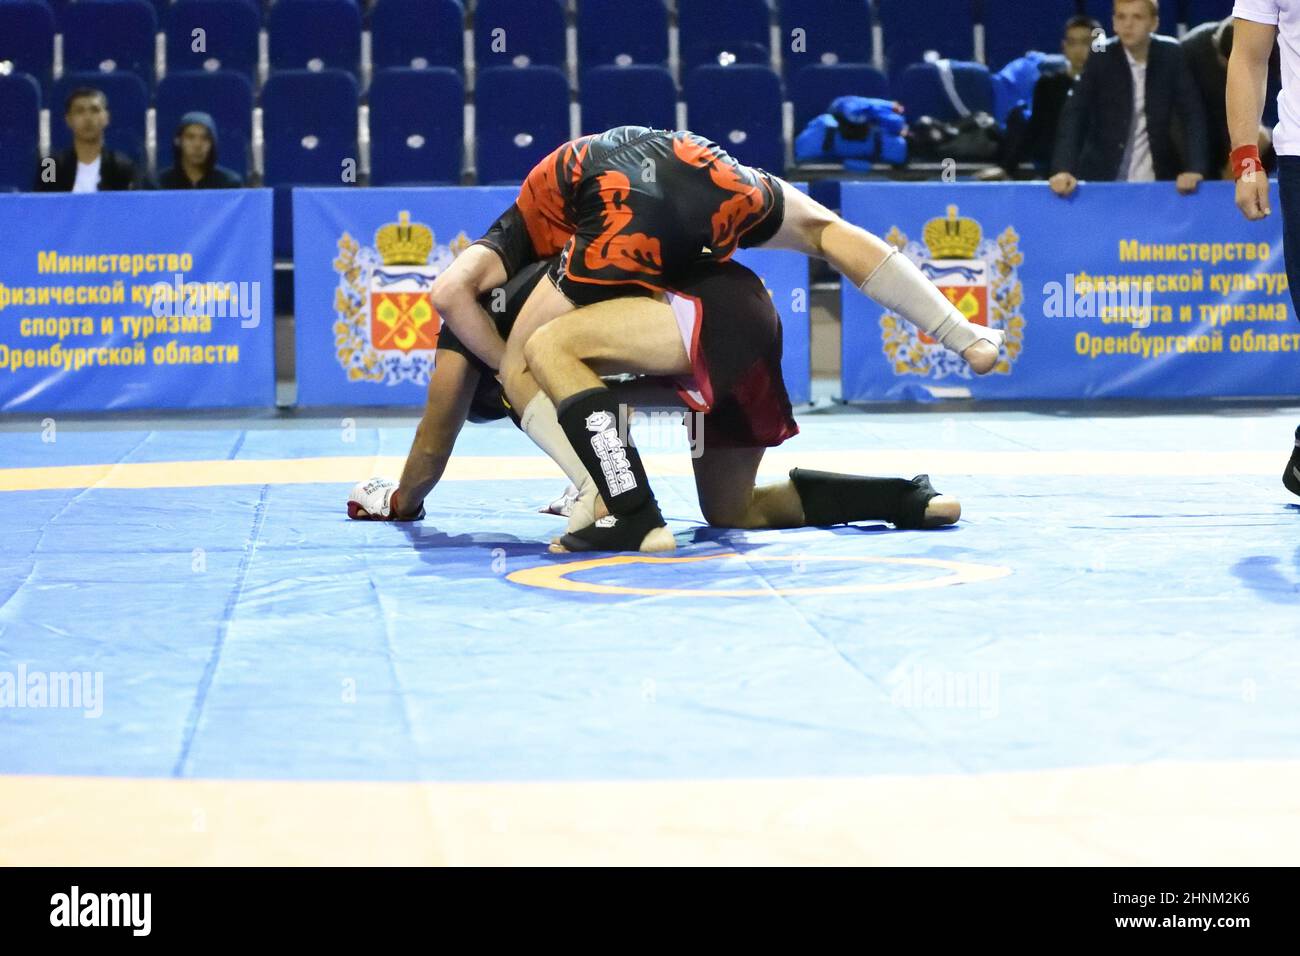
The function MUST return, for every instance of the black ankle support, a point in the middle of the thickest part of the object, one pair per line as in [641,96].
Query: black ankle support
[830,498]
[616,533]
[591,422]
[1291,477]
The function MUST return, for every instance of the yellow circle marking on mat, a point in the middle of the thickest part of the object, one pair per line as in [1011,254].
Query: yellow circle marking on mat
[555,577]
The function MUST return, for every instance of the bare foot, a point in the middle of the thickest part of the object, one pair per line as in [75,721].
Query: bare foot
[942,511]
[981,356]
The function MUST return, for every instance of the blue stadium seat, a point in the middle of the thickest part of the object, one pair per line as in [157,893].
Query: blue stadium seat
[521,114]
[519,33]
[226,96]
[418,34]
[622,32]
[20,131]
[739,108]
[110,36]
[835,31]
[310,123]
[813,88]
[911,29]
[27,38]
[417,127]
[315,34]
[230,40]
[628,96]
[921,91]
[58,6]
[128,102]
[1104,10]
[1012,28]
[1197,12]
[707,29]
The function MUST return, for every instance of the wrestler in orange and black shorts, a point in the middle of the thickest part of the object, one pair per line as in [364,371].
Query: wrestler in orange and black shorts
[632,207]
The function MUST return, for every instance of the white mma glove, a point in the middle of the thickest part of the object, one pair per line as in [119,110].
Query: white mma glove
[373,501]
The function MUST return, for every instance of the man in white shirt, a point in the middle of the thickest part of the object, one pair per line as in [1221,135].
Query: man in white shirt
[1118,122]
[1258,24]
[88,166]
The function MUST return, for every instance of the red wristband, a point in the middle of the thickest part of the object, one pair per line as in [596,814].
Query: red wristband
[1245,159]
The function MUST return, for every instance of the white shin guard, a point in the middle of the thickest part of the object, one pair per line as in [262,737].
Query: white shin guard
[540,423]
[903,289]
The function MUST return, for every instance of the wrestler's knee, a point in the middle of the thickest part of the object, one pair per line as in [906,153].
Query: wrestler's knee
[734,512]
[514,372]
[545,345]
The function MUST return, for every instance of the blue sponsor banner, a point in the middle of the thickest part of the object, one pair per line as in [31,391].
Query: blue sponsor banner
[1124,291]
[364,261]
[136,300]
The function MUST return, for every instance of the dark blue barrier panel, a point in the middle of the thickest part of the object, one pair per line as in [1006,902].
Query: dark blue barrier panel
[136,300]
[364,261]
[1124,290]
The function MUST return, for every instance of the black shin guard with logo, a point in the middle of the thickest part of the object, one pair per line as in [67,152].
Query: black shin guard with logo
[830,499]
[590,421]
[1291,477]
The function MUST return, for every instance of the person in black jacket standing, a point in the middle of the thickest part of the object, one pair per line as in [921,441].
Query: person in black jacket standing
[1118,121]
[87,166]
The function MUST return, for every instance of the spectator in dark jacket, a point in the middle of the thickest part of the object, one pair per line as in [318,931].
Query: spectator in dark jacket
[1033,139]
[1118,123]
[1207,49]
[194,157]
[87,166]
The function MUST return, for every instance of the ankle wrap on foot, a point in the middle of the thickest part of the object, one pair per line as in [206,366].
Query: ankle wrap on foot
[830,498]
[623,532]
[903,289]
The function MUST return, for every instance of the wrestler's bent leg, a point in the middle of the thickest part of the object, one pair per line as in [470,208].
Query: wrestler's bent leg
[730,498]
[633,335]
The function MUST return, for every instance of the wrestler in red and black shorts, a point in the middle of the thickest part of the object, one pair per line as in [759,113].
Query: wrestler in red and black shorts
[631,208]
[732,334]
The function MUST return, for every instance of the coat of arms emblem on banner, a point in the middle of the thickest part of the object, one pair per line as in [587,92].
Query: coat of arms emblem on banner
[979,276]
[387,328]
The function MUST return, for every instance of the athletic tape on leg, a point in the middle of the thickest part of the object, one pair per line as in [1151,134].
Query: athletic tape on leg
[540,423]
[903,289]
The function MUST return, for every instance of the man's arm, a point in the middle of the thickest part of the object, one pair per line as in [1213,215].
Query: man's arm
[1187,101]
[451,390]
[1070,133]
[455,296]
[1252,44]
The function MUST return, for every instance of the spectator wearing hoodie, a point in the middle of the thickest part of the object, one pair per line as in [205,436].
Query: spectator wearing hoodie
[194,157]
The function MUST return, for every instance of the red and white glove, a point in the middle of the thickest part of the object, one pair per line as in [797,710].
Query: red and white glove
[373,501]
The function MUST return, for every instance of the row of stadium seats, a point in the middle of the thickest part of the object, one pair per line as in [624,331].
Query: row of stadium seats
[111,35]
[417,116]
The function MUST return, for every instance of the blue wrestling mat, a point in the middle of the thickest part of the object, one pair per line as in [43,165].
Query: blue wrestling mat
[1120,590]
